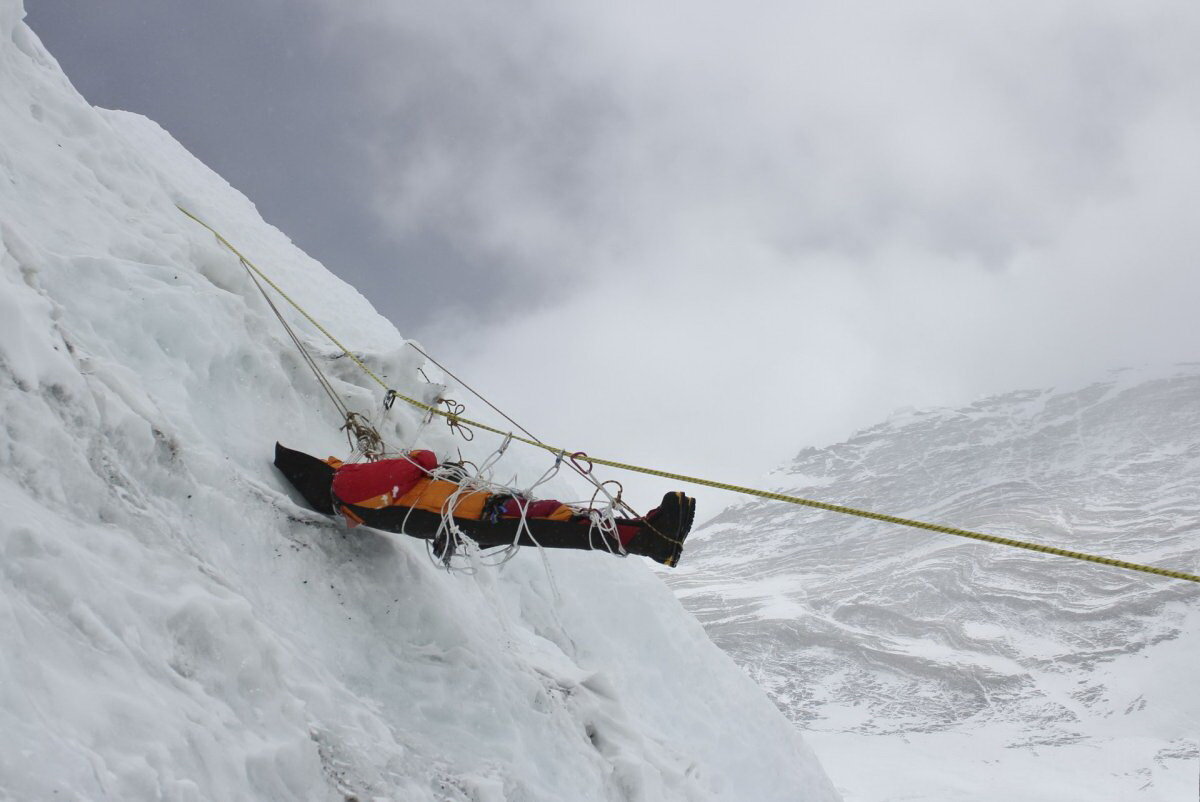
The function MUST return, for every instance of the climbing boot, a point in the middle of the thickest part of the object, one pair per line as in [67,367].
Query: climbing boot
[662,531]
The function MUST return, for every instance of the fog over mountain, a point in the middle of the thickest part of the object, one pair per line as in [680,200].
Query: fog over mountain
[926,666]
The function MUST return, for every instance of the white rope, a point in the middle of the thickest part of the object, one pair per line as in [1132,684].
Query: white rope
[451,541]
[607,523]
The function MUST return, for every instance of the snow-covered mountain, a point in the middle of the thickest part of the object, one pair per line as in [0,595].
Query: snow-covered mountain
[175,626]
[962,670]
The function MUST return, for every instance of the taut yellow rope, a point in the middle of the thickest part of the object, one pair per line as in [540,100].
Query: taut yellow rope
[820,505]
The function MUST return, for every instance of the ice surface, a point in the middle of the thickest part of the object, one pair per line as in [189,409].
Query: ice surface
[174,625]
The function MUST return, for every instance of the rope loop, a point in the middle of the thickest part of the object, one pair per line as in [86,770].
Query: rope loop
[453,413]
[615,501]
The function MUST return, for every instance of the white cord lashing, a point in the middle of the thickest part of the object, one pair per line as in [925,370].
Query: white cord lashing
[450,540]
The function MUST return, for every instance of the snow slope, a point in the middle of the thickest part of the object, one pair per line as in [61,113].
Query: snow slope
[173,625]
[965,671]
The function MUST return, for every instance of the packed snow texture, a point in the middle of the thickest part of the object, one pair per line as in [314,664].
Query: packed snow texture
[961,670]
[175,625]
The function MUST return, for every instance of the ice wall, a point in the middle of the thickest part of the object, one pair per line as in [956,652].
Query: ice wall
[174,626]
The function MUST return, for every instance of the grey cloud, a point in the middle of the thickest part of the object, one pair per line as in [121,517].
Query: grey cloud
[542,136]
[786,217]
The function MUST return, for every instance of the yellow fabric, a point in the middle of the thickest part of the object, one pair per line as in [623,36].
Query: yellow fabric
[431,495]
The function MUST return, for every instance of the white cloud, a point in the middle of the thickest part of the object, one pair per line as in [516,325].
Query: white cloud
[729,232]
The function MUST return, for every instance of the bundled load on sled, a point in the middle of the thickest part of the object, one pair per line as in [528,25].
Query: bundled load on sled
[417,495]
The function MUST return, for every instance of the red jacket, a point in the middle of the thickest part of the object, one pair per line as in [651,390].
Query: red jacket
[362,481]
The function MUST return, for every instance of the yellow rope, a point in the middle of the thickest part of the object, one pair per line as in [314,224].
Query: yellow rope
[820,505]
[285,297]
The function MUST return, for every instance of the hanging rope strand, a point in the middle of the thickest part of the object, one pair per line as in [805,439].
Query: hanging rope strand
[362,436]
[250,265]
[342,409]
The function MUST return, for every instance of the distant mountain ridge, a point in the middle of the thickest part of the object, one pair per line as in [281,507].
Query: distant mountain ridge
[859,627]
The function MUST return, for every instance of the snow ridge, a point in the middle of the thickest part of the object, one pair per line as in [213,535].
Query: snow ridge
[941,646]
[174,625]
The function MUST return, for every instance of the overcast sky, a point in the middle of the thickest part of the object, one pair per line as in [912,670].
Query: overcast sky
[705,235]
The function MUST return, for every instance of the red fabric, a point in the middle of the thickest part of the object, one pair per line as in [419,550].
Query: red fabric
[533,509]
[358,482]
[625,533]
